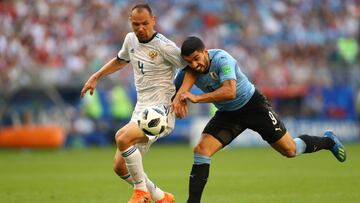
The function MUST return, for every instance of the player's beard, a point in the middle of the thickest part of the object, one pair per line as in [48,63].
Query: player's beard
[203,68]
[142,37]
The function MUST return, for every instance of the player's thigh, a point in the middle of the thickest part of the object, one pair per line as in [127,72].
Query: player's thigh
[285,145]
[130,133]
[263,119]
[223,127]
[208,145]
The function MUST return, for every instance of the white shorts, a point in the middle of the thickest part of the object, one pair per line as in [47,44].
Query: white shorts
[144,147]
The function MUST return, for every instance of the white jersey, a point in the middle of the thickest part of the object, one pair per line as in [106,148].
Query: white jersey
[154,63]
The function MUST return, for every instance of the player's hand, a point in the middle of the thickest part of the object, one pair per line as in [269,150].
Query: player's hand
[179,107]
[188,96]
[89,85]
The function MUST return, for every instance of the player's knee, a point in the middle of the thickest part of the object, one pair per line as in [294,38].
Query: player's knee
[121,139]
[202,149]
[289,152]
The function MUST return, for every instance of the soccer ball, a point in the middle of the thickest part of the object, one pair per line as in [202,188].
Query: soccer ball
[153,120]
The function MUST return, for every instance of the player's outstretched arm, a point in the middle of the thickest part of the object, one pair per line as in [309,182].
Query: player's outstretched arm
[112,66]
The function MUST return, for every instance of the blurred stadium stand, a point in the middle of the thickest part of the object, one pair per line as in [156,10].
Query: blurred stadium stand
[303,54]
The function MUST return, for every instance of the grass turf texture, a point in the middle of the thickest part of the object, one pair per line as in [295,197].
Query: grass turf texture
[251,175]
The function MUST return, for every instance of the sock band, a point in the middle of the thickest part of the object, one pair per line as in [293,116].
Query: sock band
[300,146]
[201,159]
[129,151]
[125,176]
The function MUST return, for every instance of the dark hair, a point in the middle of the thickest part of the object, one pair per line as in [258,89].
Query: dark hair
[190,45]
[143,6]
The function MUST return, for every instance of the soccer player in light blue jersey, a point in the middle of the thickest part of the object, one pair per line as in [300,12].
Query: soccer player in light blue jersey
[240,106]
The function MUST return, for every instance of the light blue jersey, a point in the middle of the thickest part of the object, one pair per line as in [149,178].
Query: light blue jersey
[224,67]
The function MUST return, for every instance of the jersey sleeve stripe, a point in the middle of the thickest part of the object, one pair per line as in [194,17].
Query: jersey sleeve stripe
[127,61]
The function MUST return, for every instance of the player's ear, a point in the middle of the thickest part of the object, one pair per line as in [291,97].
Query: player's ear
[154,19]
[206,50]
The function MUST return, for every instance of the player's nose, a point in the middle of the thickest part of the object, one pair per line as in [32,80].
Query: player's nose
[194,64]
[141,28]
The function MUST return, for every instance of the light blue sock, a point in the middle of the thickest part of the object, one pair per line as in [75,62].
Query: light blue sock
[201,159]
[300,146]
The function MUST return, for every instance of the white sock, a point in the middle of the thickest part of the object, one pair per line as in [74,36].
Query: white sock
[128,179]
[155,192]
[133,160]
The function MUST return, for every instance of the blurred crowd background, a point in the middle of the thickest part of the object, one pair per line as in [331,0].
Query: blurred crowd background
[303,54]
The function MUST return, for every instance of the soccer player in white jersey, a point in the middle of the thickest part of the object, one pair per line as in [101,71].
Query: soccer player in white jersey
[154,59]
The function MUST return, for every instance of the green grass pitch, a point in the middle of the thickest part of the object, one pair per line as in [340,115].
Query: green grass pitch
[249,175]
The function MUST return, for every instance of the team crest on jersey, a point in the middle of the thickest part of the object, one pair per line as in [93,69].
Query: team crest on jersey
[153,54]
[214,76]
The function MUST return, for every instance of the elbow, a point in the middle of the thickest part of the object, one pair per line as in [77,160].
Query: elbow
[231,94]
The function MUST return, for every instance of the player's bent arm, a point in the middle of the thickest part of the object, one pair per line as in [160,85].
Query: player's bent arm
[226,91]
[188,82]
[180,107]
[110,67]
